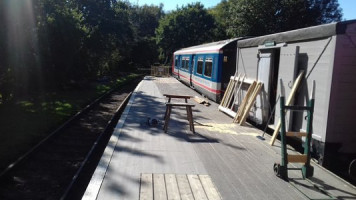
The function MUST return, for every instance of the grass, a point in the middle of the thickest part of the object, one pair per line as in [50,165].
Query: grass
[26,121]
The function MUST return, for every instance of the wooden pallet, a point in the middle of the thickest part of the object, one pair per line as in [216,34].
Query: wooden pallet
[247,102]
[251,101]
[230,96]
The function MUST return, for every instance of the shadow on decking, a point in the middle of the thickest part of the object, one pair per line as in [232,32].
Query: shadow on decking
[144,107]
[332,188]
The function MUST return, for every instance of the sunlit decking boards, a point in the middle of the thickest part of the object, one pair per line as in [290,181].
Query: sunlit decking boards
[239,165]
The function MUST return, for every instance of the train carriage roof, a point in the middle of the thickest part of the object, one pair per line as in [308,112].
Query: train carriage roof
[313,32]
[213,47]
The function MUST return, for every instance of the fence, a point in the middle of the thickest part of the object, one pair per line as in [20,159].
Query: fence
[163,71]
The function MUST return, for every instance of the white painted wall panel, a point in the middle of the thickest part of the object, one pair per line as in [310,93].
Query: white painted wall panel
[321,71]
[247,62]
[287,70]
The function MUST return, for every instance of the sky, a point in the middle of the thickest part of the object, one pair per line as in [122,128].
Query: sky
[348,6]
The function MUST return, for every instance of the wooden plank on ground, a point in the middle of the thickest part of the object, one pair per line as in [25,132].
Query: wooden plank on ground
[209,187]
[198,100]
[159,189]
[197,187]
[184,188]
[227,111]
[289,101]
[146,187]
[172,187]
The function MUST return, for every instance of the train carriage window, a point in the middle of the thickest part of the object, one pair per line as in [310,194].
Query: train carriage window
[208,67]
[200,66]
[185,63]
[176,62]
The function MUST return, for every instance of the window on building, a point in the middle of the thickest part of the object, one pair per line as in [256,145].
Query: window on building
[200,66]
[208,67]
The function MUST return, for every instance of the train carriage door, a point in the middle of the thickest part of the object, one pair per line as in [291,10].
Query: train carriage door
[180,61]
[263,75]
[191,70]
[176,66]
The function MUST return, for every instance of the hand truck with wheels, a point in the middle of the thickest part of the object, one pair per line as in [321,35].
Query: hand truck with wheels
[281,169]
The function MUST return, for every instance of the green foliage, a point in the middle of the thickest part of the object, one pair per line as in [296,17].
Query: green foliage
[260,17]
[145,20]
[46,44]
[61,33]
[187,26]
[221,13]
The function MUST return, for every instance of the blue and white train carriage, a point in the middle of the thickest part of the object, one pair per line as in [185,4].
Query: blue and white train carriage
[207,67]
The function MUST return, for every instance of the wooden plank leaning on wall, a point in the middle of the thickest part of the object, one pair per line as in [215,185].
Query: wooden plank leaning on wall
[289,101]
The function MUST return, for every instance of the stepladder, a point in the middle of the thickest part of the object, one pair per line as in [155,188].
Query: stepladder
[281,169]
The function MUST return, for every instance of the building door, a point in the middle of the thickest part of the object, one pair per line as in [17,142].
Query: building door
[263,75]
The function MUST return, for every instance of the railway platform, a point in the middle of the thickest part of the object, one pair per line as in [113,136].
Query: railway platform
[141,160]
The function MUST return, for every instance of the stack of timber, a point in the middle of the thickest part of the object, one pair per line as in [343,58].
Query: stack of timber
[247,102]
[231,93]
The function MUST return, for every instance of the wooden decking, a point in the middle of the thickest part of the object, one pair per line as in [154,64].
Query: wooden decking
[177,187]
[239,164]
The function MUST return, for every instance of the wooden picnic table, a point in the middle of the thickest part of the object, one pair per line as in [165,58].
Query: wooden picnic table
[169,106]
[188,107]
[170,96]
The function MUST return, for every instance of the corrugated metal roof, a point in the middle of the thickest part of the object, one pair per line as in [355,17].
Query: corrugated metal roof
[213,47]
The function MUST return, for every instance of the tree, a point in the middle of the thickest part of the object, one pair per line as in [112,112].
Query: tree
[61,34]
[221,13]
[260,17]
[145,20]
[187,26]
[110,35]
